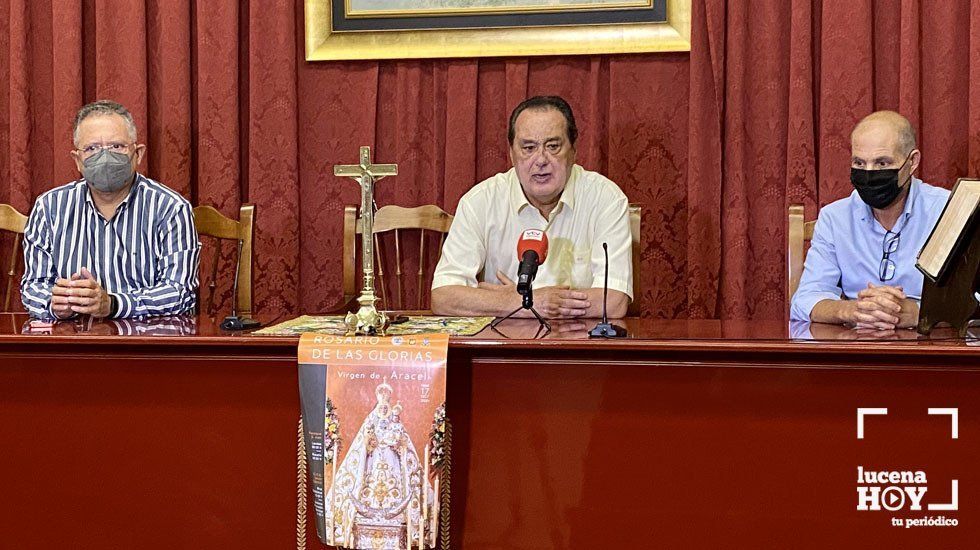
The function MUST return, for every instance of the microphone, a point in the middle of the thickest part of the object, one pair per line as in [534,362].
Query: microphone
[233,321]
[605,329]
[532,249]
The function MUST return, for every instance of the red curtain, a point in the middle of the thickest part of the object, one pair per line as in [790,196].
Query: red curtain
[714,143]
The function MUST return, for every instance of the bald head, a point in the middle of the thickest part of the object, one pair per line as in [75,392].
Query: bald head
[888,128]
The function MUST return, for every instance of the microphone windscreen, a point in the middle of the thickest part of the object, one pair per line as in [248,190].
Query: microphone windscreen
[533,239]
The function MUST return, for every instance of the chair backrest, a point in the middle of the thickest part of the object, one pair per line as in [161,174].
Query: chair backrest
[799,233]
[15,222]
[636,217]
[210,222]
[429,221]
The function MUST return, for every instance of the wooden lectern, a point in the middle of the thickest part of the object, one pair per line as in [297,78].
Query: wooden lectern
[950,261]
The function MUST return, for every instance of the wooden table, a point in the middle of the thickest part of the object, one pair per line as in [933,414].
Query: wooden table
[688,434]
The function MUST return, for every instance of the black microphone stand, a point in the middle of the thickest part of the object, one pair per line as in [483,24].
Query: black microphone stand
[605,329]
[527,302]
[234,322]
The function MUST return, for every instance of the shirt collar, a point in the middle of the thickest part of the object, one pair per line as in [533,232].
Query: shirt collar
[518,200]
[868,216]
[137,184]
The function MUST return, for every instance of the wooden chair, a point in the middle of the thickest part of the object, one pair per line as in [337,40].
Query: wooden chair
[15,222]
[799,233]
[432,218]
[397,220]
[636,217]
[210,222]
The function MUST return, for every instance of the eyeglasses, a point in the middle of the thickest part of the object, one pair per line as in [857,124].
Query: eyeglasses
[95,148]
[886,270]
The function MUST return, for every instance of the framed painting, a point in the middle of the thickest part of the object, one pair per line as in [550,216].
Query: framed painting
[405,29]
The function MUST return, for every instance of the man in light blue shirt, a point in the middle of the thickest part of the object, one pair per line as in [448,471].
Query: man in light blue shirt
[860,269]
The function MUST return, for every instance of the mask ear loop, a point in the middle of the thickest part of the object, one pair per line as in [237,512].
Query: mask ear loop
[907,159]
[906,181]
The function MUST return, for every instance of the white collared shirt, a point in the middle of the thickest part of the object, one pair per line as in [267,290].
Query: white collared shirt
[492,215]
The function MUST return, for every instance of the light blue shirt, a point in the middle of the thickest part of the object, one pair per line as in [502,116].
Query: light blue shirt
[846,250]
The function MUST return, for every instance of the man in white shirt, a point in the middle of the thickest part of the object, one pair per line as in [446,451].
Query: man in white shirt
[579,210]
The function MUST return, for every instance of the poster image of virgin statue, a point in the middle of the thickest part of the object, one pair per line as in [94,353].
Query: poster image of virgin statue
[383,410]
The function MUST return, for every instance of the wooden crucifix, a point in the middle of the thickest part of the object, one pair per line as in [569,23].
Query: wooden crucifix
[368,320]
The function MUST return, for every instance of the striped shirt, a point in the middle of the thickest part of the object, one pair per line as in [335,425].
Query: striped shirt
[146,255]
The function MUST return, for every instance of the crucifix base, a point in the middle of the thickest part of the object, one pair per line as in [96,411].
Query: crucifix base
[368,321]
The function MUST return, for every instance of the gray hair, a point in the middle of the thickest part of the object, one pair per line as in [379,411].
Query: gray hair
[906,138]
[104,107]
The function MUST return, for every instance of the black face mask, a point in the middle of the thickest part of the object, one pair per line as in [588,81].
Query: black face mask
[878,188]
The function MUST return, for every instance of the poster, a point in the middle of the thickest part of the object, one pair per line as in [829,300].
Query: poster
[374,419]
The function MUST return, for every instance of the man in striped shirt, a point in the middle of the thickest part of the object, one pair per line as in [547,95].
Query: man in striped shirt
[114,243]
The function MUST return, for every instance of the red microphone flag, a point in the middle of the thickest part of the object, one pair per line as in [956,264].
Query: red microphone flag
[533,239]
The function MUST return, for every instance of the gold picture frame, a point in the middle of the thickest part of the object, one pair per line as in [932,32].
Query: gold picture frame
[323,44]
